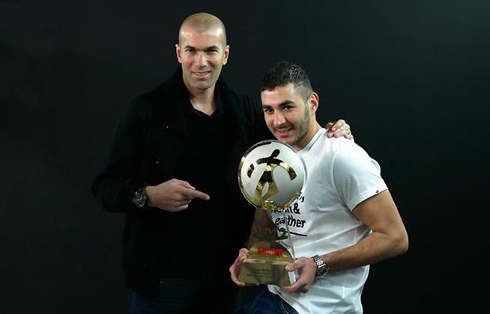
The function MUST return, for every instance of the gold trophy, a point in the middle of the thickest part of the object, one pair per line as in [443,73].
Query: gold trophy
[271,176]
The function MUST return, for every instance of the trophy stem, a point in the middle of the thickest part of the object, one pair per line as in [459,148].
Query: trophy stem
[293,255]
[294,277]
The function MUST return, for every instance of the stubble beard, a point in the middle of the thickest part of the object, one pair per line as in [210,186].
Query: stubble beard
[303,127]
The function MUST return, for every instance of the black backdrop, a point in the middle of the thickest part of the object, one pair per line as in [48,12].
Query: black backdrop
[412,78]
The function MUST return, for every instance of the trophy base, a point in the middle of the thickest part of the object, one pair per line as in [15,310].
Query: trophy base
[266,272]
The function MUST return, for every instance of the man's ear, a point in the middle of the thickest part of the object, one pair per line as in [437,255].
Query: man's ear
[226,54]
[177,52]
[314,102]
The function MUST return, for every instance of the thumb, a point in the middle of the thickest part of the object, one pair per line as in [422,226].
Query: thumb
[185,184]
[292,266]
[243,252]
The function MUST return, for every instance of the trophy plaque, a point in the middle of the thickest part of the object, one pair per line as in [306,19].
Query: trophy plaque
[271,176]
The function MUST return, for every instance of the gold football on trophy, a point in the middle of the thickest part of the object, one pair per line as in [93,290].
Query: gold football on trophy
[271,175]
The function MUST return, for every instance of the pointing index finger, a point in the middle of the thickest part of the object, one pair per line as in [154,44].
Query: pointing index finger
[196,194]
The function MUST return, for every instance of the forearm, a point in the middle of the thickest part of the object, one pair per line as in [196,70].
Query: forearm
[372,249]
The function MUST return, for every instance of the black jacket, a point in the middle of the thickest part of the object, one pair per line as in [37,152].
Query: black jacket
[147,144]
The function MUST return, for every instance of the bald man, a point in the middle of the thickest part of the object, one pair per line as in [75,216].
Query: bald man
[172,172]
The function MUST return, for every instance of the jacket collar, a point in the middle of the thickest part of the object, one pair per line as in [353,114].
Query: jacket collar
[172,101]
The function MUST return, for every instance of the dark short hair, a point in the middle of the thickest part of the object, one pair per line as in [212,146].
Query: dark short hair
[284,73]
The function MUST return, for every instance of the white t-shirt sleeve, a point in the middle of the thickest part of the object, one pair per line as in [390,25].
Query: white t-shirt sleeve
[356,176]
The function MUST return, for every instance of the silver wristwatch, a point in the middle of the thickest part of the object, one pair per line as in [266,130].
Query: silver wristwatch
[321,267]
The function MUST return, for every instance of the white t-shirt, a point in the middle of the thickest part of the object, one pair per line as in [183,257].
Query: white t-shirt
[340,175]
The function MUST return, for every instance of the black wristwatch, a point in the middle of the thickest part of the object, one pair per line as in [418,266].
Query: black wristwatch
[321,267]
[140,198]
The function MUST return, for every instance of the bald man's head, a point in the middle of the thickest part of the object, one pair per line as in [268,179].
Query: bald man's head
[202,51]
[202,23]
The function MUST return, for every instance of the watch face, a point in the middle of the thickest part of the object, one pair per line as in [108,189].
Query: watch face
[140,198]
[322,268]
[322,271]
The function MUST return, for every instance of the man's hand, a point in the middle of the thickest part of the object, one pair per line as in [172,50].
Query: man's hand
[339,129]
[306,268]
[173,195]
[237,267]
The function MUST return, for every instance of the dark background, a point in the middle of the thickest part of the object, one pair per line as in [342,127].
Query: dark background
[412,78]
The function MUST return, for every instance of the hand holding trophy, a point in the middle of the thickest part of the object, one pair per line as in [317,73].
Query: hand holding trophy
[271,176]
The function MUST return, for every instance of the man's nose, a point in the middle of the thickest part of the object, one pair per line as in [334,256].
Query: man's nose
[201,59]
[279,118]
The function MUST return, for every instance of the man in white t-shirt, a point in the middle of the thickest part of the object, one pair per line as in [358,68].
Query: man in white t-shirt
[345,219]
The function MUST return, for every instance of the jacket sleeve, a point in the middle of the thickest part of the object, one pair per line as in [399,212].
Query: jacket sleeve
[115,186]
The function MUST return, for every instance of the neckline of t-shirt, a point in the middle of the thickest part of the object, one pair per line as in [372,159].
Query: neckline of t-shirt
[314,139]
